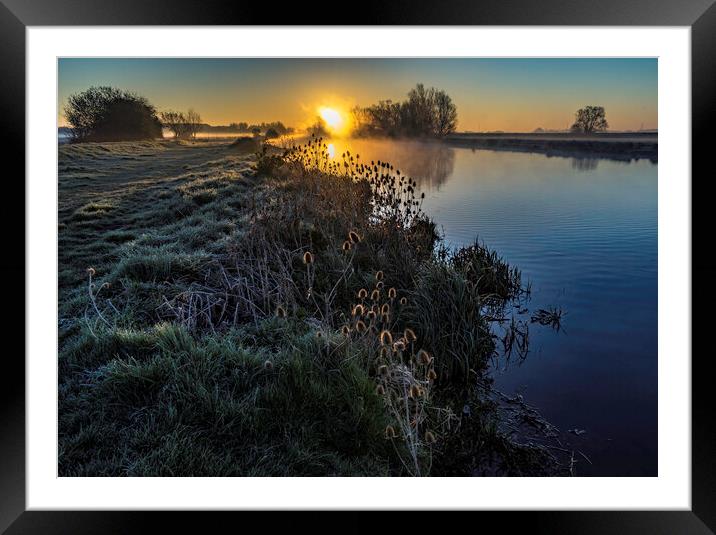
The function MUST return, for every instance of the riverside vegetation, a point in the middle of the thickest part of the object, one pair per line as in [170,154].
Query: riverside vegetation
[272,314]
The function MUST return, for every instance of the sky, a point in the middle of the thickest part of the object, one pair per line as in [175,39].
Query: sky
[508,94]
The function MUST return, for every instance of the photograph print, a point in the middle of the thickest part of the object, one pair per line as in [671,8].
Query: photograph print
[383,267]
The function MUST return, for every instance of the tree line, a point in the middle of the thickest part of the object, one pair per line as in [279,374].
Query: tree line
[109,114]
[427,112]
[276,127]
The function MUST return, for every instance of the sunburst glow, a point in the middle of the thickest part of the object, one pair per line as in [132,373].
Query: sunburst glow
[336,121]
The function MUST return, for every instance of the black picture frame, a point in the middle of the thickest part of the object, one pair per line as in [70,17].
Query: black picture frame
[16,15]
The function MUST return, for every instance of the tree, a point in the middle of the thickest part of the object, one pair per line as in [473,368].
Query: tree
[193,123]
[445,120]
[419,111]
[182,125]
[318,128]
[175,122]
[111,114]
[426,112]
[590,119]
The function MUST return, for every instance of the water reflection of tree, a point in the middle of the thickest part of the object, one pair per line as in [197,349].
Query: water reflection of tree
[584,164]
[430,164]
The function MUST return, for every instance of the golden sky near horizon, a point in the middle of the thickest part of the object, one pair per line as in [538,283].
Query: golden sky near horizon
[517,95]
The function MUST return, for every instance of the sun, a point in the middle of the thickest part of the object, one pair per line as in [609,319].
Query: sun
[335,120]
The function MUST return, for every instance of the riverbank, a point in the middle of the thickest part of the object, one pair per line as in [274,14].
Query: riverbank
[223,314]
[615,146]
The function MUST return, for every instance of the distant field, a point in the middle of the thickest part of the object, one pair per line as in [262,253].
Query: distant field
[620,146]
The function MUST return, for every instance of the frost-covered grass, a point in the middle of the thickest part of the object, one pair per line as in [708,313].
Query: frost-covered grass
[297,320]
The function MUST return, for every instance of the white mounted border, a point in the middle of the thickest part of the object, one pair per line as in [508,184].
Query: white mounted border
[670,490]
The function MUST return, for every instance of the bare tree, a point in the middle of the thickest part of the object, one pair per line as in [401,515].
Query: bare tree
[445,114]
[590,119]
[174,121]
[193,123]
[419,110]
[426,112]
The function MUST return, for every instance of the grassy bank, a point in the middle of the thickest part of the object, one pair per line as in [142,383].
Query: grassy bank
[225,313]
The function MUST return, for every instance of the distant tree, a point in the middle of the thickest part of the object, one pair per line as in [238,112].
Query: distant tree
[271,133]
[182,125]
[386,118]
[193,123]
[590,119]
[318,128]
[111,114]
[445,120]
[426,112]
[175,121]
[419,111]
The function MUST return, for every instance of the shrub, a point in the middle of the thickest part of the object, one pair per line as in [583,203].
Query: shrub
[488,271]
[110,114]
[444,308]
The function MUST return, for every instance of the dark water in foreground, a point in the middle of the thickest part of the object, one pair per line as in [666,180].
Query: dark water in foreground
[584,232]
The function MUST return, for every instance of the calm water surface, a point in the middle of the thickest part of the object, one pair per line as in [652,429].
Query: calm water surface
[584,232]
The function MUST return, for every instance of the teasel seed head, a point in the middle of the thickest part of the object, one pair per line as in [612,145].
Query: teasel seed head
[414,391]
[353,236]
[409,335]
[390,432]
[360,327]
[347,246]
[430,438]
[308,257]
[370,315]
[383,370]
[383,352]
[379,276]
[403,300]
[91,271]
[385,309]
[280,312]
[399,346]
[345,330]
[392,293]
[386,338]
[380,390]
[379,285]
[268,365]
[375,295]
[432,375]
[319,335]
[362,293]
[424,357]
[358,310]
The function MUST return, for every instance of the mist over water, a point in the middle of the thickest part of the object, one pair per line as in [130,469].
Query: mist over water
[584,232]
